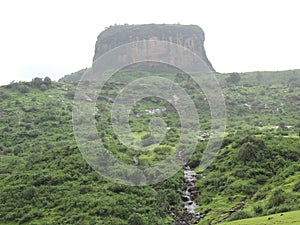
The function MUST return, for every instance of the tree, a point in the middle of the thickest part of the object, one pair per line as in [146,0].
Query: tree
[47,81]
[180,77]
[136,219]
[259,77]
[277,198]
[247,152]
[29,193]
[282,125]
[37,82]
[234,78]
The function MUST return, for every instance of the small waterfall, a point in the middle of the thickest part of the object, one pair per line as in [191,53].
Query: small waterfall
[190,206]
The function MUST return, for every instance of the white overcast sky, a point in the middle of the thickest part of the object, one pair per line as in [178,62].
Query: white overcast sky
[57,37]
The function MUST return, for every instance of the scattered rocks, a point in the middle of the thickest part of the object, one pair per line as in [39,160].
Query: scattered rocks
[205,135]
[154,111]
[248,106]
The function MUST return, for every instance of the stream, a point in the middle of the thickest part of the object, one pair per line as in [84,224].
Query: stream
[190,216]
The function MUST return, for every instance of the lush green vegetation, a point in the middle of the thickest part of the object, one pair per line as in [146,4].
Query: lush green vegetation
[45,180]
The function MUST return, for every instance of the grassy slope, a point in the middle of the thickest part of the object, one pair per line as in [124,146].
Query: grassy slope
[288,218]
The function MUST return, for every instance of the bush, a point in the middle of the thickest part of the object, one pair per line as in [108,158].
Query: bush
[297,187]
[234,78]
[113,220]
[47,81]
[280,209]
[239,216]
[147,140]
[4,95]
[252,149]
[23,88]
[136,219]
[70,94]
[37,82]
[29,193]
[249,189]
[261,179]
[43,87]
[258,209]
[173,197]
[162,150]
[277,198]
[194,162]
[247,153]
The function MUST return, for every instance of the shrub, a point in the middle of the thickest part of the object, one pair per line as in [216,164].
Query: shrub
[252,149]
[37,82]
[261,179]
[47,81]
[147,140]
[280,209]
[258,209]
[29,193]
[113,220]
[297,187]
[239,216]
[4,95]
[173,197]
[249,189]
[247,153]
[70,94]
[43,87]
[162,150]
[234,78]
[194,162]
[136,219]
[23,88]
[276,199]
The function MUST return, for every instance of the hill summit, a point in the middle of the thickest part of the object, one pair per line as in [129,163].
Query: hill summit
[189,36]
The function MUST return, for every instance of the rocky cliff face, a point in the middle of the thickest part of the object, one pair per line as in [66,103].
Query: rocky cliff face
[189,36]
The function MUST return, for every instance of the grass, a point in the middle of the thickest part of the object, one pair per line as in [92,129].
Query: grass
[280,219]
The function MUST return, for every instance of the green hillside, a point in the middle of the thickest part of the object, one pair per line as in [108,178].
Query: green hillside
[45,180]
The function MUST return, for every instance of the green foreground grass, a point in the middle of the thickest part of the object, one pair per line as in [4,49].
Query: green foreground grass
[280,219]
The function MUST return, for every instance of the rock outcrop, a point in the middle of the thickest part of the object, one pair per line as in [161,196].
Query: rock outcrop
[189,36]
